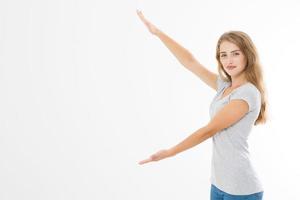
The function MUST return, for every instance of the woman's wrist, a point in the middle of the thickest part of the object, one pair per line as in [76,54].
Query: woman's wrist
[171,152]
[158,33]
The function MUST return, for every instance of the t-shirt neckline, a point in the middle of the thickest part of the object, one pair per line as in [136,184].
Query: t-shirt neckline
[223,90]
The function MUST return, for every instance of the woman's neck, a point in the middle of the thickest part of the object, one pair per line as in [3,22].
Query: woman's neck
[238,81]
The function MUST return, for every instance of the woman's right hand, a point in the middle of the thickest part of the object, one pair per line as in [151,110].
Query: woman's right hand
[154,30]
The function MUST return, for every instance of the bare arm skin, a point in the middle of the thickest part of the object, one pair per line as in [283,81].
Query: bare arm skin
[183,55]
[227,116]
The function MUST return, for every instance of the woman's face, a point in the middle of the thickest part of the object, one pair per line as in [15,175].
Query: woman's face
[232,58]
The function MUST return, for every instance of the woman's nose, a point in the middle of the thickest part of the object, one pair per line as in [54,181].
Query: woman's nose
[230,59]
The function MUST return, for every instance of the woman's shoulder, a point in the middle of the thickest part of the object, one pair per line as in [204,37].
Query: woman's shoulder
[250,93]
[250,87]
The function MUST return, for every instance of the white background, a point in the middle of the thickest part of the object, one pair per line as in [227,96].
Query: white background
[86,92]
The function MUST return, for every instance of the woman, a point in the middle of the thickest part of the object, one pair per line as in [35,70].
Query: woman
[239,104]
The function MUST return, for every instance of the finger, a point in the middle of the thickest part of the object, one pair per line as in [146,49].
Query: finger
[138,11]
[145,161]
[141,15]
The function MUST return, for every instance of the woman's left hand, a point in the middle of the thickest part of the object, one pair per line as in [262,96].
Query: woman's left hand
[162,154]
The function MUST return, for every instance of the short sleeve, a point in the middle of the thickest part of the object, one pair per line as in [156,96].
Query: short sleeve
[250,94]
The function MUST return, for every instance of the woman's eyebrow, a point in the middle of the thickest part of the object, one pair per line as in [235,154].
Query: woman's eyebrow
[231,51]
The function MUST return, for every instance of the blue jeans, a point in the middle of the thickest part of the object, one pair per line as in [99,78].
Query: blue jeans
[217,194]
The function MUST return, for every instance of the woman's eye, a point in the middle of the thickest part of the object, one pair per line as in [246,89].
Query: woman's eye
[236,54]
[223,55]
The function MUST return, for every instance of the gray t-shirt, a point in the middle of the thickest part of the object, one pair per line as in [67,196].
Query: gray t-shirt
[232,170]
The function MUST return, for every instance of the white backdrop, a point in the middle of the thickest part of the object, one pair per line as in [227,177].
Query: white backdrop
[86,92]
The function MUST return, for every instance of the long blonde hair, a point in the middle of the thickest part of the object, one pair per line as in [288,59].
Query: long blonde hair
[253,69]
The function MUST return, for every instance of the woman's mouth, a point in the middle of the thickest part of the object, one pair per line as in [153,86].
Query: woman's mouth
[231,67]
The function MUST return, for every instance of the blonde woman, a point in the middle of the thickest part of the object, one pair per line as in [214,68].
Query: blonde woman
[238,105]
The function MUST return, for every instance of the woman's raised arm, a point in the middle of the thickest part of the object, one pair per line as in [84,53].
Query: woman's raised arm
[183,55]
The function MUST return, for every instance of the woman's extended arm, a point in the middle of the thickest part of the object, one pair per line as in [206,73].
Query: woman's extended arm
[183,55]
[227,116]
[194,139]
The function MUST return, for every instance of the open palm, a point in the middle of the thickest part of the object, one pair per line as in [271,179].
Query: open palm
[148,24]
[156,157]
